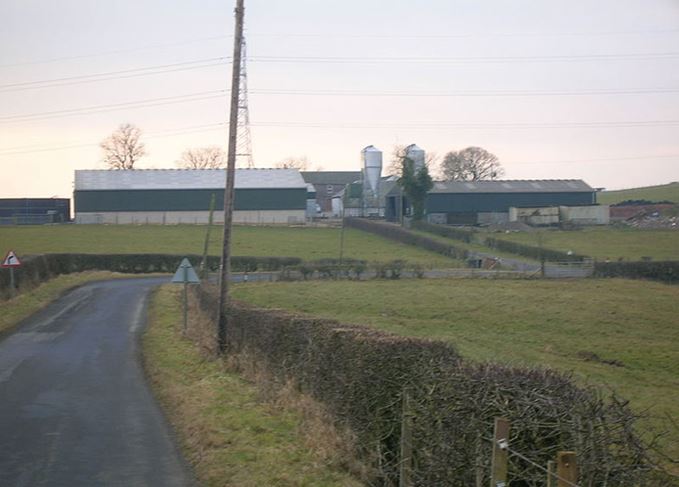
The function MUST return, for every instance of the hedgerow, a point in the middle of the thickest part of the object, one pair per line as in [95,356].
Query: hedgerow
[664,271]
[403,235]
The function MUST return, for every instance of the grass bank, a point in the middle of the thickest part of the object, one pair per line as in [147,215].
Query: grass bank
[310,243]
[663,192]
[606,243]
[25,304]
[227,433]
[614,333]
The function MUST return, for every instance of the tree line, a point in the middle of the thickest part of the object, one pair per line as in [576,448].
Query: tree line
[124,148]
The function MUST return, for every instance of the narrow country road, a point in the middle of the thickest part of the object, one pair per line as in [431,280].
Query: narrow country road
[75,409]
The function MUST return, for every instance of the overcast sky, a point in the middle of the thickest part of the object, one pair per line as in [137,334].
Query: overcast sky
[556,89]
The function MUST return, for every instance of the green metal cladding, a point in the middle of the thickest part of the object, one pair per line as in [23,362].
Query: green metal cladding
[187,200]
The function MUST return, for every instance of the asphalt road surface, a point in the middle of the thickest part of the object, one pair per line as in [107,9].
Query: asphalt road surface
[75,409]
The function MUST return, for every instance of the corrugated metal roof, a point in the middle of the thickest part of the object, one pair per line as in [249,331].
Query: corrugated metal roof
[514,186]
[88,180]
[331,177]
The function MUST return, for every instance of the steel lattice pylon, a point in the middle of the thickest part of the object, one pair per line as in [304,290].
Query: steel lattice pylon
[244,140]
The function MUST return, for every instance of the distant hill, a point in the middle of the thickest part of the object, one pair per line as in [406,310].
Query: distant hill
[665,192]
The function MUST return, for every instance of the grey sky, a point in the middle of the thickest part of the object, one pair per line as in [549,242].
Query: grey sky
[526,132]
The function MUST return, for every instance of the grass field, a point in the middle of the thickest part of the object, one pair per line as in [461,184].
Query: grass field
[228,435]
[665,192]
[547,323]
[606,243]
[307,243]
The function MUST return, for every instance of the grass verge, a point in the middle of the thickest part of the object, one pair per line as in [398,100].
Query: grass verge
[227,433]
[14,310]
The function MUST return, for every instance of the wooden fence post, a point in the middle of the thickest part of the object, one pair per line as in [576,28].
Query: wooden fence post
[551,467]
[498,472]
[406,466]
[567,468]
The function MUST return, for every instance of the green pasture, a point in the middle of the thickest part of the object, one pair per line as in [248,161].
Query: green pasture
[619,334]
[308,243]
[665,192]
[605,242]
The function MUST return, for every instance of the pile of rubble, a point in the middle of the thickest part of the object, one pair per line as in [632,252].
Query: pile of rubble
[654,220]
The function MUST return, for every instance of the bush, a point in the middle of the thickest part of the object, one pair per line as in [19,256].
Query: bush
[667,271]
[361,375]
[533,252]
[400,234]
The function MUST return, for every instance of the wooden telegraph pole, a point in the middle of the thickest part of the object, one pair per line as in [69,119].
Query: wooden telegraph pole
[225,266]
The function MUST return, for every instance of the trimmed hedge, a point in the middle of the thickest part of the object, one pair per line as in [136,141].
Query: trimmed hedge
[361,374]
[445,231]
[533,252]
[400,234]
[38,268]
[664,271]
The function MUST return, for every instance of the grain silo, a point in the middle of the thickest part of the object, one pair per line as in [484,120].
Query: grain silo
[372,172]
[417,155]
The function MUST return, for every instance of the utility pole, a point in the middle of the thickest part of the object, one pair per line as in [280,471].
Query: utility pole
[225,266]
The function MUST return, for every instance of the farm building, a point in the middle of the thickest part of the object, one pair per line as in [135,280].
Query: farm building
[34,211]
[479,202]
[172,196]
[329,184]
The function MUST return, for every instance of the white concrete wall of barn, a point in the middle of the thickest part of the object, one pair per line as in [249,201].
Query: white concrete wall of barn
[250,217]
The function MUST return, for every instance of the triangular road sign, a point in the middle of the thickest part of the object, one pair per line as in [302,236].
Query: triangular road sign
[185,274]
[11,260]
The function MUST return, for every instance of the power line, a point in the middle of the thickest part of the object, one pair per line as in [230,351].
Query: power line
[466,59]
[596,159]
[500,93]
[110,75]
[445,125]
[149,102]
[166,133]
[202,63]
[485,34]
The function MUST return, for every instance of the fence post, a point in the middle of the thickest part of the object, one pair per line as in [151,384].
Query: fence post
[406,466]
[567,468]
[550,473]
[498,472]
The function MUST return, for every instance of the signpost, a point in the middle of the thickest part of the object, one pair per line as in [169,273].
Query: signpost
[185,275]
[11,261]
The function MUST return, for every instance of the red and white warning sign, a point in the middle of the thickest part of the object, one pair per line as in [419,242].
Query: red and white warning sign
[11,260]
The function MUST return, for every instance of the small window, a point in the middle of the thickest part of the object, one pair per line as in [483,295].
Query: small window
[330,189]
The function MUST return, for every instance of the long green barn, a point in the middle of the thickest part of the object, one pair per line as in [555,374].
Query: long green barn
[176,196]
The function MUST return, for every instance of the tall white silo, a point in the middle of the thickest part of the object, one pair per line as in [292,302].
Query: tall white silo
[417,155]
[372,168]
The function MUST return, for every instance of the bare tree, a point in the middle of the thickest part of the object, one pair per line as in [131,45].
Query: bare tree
[471,164]
[212,157]
[122,149]
[301,163]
